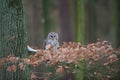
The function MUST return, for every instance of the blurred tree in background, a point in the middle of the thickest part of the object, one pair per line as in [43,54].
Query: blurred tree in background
[117,22]
[80,34]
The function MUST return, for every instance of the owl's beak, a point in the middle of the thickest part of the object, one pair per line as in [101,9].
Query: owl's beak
[52,38]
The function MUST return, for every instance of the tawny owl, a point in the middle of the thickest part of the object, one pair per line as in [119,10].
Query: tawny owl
[52,39]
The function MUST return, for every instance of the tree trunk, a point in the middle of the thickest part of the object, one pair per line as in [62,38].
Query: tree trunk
[118,32]
[118,24]
[73,18]
[37,28]
[105,24]
[91,26]
[46,16]
[12,35]
[80,34]
[65,20]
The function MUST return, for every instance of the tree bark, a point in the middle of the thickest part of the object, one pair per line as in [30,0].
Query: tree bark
[12,35]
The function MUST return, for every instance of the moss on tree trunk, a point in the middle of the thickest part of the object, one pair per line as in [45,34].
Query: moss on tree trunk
[80,34]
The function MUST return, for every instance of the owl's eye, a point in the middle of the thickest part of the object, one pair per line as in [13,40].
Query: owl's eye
[51,36]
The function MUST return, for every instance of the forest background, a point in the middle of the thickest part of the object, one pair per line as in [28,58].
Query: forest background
[86,21]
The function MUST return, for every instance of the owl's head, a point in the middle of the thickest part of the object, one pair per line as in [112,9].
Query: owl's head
[52,36]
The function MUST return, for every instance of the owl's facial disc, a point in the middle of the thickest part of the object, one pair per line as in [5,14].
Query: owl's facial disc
[52,37]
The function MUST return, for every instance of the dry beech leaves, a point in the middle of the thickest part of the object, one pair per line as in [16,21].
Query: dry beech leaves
[69,52]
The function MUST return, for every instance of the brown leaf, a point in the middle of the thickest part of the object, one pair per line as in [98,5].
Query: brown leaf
[60,69]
